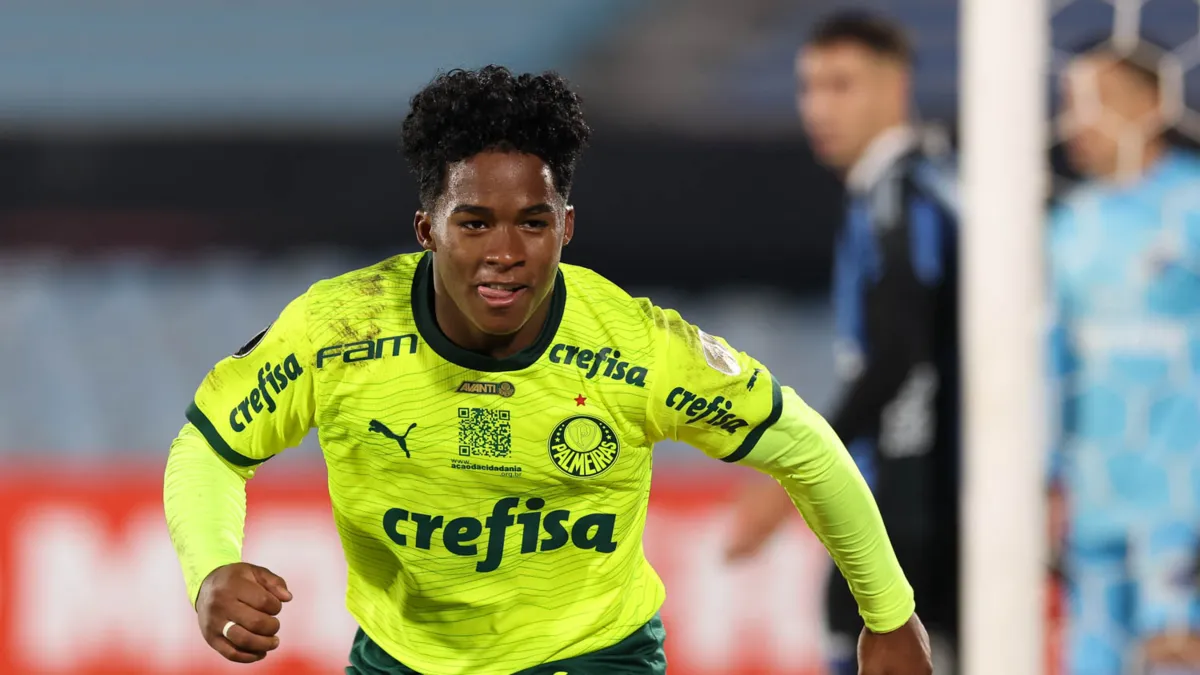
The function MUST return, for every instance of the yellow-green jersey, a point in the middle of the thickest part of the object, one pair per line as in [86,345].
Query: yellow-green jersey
[491,510]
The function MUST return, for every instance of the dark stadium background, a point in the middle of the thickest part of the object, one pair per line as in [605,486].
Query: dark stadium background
[654,208]
[172,173]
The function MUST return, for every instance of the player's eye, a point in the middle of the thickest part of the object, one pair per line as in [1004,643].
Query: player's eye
[537,224]
[473,225]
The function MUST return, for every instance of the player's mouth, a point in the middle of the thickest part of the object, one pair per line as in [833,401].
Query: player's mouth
[501,295]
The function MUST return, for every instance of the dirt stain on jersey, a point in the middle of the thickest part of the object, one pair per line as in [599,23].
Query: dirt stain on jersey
[372,285]
[344,330]
[212,380]
[349,333]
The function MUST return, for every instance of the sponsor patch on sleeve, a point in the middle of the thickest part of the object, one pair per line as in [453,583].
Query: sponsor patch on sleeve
[718,356]
[249,346]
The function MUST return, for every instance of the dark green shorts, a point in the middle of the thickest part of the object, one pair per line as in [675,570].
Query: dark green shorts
[639,654]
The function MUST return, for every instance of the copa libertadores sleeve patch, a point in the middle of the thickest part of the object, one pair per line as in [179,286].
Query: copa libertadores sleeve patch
[718,356]
[249,346]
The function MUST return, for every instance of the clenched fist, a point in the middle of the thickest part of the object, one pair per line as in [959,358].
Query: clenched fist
[251,597]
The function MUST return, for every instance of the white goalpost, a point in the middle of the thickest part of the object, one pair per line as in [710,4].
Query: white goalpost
[1004,57]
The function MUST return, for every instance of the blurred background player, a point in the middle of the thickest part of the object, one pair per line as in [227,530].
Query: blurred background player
[895,319]
[1124,255]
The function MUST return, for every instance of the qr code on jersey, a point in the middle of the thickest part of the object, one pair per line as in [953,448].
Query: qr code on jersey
[484,433]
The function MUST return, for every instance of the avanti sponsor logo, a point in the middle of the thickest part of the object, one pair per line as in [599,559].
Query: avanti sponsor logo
[504,389]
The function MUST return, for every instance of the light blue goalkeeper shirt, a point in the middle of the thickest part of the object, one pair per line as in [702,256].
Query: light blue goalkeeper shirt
[1125,270]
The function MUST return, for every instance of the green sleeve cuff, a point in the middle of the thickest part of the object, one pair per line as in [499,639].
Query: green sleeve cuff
[198,419]
[757,432]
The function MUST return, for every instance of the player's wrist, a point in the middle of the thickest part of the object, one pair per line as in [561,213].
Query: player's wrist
[205,585]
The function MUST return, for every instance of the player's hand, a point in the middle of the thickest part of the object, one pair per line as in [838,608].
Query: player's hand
[1179,649]
[250,596]
[758,512]
[904,651]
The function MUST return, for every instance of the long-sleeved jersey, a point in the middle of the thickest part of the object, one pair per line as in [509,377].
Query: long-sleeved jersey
[491,510]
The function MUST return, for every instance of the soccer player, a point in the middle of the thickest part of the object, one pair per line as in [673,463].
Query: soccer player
[895,315]
[1125,262]
[487,417]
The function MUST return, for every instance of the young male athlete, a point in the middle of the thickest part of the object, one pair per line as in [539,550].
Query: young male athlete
[506,537]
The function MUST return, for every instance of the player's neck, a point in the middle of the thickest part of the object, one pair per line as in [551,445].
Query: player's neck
[459,330]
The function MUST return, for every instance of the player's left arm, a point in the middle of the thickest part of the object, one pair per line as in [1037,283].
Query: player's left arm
[251,406]
[729,405]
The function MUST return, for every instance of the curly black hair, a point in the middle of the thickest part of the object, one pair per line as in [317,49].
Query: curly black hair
[462,113]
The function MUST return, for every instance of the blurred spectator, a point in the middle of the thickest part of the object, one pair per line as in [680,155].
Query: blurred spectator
[896,319]
[1124,256]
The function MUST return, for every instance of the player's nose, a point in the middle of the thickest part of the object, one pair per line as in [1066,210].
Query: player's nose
[506,247]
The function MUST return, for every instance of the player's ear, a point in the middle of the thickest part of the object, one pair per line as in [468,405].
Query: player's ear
[423,226]
[569,225]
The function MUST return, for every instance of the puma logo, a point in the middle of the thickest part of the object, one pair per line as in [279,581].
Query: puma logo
[383,430]
[753,379]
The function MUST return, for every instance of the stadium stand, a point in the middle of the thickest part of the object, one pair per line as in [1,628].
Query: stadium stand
[179,63]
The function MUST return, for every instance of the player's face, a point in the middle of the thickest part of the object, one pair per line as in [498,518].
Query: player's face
[846,96]
[1109,116]
[497,232]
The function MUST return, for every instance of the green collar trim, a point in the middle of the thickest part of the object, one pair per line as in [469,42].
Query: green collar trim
[422,304]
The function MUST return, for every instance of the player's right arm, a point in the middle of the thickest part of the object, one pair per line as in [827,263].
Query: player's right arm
[251,406]
[724,402]
[727,404]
